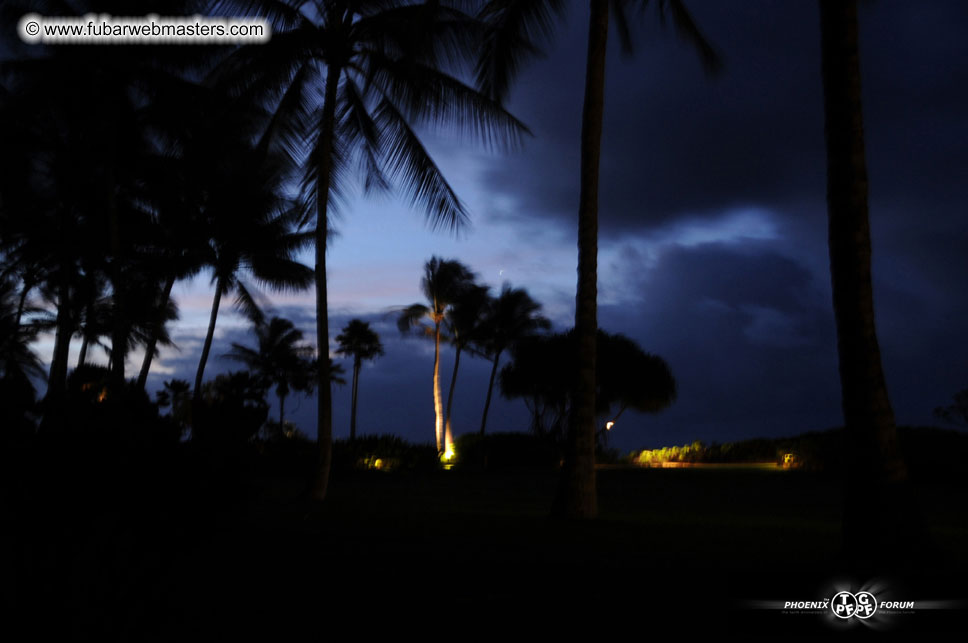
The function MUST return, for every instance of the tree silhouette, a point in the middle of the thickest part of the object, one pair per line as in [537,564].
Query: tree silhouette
[250,231]
[85,126]
[382,66]
[360,342]
[875,467]
[464,325]
[508,44]
[542,373]
[510,318]
[19,364]
[443,284]
[956,413]
[280,359]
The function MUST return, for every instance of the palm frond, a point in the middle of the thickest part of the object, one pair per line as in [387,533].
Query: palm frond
[427,95]
[246,302]
[689,31]
[410,163]
[513,28]
[411,317]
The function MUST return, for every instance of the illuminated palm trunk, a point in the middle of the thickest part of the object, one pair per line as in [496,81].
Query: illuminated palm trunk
[438,405]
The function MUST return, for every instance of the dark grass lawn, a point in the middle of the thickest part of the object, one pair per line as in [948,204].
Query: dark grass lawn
[683,547]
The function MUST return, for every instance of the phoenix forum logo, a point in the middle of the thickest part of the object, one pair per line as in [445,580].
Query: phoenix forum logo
[860,605]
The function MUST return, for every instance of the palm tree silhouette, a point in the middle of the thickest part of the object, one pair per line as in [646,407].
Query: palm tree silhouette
[362,343]
[464,324]
[382,67]
[511,317]
[91,133]
[19,364]
[876,469]
[250,232]
[280,359]
[506,46]
[443,284]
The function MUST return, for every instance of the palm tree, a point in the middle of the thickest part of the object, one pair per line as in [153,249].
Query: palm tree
[382,67]
[18,362]
[465,325]
[511,317]
[443,283]
[250,232]
[876,468]
[361,342]
[507,44]
[91,129]
[280,359]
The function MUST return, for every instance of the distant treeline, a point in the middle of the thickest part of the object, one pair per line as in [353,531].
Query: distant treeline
[929,451]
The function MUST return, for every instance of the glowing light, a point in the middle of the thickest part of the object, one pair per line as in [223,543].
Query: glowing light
[378,463]
[609,425]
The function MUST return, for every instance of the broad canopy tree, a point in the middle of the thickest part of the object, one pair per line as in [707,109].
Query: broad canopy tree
[542,373]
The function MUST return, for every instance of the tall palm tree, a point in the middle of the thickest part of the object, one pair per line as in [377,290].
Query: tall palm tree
[254,243]
[875,463]
[281,359]
[465,325]
[511,317]
[508,43]
[443,283]
[382,66]
[362,343]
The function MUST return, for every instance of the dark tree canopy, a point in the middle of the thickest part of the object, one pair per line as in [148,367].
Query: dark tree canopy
[542,373]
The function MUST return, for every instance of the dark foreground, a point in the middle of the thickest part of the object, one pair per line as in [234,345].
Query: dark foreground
[449,555]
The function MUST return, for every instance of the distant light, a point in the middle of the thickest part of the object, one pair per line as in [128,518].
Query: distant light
[609,425]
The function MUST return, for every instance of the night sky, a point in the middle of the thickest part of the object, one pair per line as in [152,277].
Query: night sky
[712,249]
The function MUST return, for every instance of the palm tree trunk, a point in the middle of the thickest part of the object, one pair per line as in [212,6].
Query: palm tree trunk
[438,406]
[155,331]
[219,286]
[448,434]
[82,356]
[119,325]
[356,384]
[57,379]
[875,468]
[324,399]
[576,492]
[282,415]
[490,389]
